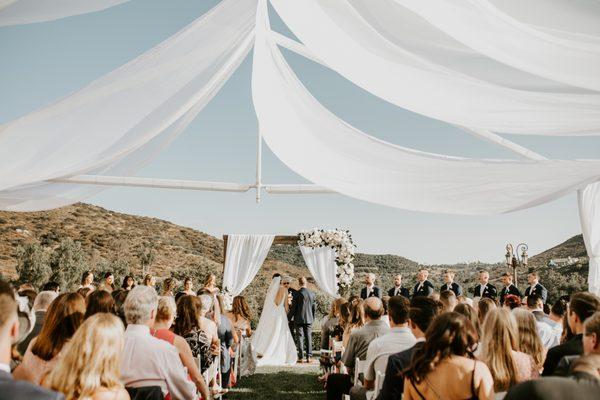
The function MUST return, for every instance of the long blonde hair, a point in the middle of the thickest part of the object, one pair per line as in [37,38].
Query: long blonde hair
[91,361]
[500,336]
[529,340]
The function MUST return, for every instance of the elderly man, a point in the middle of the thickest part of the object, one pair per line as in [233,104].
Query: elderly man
[40,305]
[9,330]
[358,345]
[370,290]
[146,360]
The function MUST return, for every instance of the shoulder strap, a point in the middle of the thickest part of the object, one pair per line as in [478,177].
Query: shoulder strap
[415,386]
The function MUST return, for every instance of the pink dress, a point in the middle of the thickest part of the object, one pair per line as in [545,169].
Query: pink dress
[35,368]
[526,368]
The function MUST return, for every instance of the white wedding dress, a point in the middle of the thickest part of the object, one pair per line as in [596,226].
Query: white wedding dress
[272,340]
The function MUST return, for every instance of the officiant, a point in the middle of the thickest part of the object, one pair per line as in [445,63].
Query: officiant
[292,294]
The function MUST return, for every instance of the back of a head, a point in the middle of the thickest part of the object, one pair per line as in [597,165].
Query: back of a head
[512,301]
[43,300]
[484,306]
[51,286]
[499,338]
[188,314]
[534,301]
[8,310]
[591,332]
[559,308]
[584,305]
[206,301]
[471,314]
[529,339]
[589,363]
[100,301]
[423,311]
[398,308]
[91,360]
[139,304]
[166,308]
[373,308]
[448,299]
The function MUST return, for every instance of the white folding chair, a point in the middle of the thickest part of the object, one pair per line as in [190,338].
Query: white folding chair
[379,377]
[360,367]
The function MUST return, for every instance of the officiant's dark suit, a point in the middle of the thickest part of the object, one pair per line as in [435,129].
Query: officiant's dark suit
[303,316]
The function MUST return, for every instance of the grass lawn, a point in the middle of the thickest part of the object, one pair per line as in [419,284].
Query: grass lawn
[298,382]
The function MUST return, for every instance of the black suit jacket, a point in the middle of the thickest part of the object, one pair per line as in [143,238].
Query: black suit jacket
[290,314]
[375,293]
[455,287]
[21,390]
[303,307]
[393,383]
[490,291]
[580,386]
[403,292]
[538,290]
[570,348]
[426,289]
[512,289]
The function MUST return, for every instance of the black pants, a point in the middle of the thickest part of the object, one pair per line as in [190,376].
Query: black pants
[338,385]
[304,340]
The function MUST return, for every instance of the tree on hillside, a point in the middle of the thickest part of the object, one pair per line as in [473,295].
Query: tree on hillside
[33,264]
[146,256]
[68,263]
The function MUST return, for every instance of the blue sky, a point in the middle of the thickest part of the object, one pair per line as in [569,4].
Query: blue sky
[42,62]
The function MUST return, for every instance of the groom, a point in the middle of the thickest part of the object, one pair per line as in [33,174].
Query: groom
[302,312]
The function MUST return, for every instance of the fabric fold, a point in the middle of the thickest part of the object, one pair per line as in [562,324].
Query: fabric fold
[245,255]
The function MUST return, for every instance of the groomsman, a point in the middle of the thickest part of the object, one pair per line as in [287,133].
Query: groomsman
[450,284]
[423,286]
[509,287]
[485,289]
[535,287]
[398,290]
[370,290]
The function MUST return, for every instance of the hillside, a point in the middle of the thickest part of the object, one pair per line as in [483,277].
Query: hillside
[109,238]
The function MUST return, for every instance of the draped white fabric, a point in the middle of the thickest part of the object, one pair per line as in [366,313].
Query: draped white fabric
[16,12]
[589,213]
[121,120]
[337,34]
[350,162]
[321,264]
[245,254]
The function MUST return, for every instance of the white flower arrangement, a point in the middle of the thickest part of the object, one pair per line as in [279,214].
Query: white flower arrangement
[341,242]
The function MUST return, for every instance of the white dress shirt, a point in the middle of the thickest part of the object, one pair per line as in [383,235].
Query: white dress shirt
[397,290]
[148,361]
[369,290]
[398,339]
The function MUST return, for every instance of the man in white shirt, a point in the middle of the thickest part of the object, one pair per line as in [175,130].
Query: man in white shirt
[146,360]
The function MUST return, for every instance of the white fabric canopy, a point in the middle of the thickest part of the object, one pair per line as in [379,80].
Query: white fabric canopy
[244,257]
[322,266]
[16,12]
[121,120]
[337,34]
[350,162]
[589,213]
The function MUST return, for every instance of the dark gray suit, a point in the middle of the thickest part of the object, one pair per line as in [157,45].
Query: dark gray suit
[303,314]
[21,390]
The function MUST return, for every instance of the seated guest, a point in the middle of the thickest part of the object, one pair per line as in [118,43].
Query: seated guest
[226,339]
[583,383]
[86,280]
[544,323]
[421,314]
[484,289]
[398,290]
[188,324]
[591,344]
[370,290]
[529,340]
[146,360]
[165,316]
[535,287]
[499,350]
[89,368]
[448,299]
[9,332]
[240,316]
[356,319]
[168,287]
[557,314]
[108,283]
[85,292]
[445,368]
[100,301]
[63,317]
[449,283]
[484,306]
[358,344]
[120,295]
[128,283]
[51,287]
[332,320]
[508,287]
[423,287]
[209,325]
[581,306]
[511,302]
[40,306]
[471,314]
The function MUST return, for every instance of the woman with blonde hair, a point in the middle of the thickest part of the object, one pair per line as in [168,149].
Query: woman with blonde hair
[89,369]
[168,287]
[484,306]
[529,340]
[149,280]
[210,285]
[240,316]
[356,319]
[500,350]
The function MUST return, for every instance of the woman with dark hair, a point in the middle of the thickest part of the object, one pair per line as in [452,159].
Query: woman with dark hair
[445,368]
[63,317]
[471,314]
[119,297]
[99,301]
[86,280]
[128,283]
[484,305]
[188,286]
[188,325]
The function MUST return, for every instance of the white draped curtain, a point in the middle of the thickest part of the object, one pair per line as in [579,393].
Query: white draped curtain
[244,257]
[589,213]
[322,266]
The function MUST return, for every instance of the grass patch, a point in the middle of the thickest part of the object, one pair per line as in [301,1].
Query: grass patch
[298,382]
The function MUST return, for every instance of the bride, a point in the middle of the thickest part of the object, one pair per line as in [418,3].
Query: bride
[272,339]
